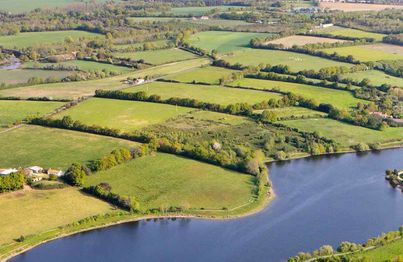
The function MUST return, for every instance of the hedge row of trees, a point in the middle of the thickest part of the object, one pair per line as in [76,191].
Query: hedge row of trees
[12,182]
[347,247]
[394,39]
[103,191]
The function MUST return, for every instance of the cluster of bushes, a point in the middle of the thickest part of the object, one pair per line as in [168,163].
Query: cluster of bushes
[57,67]
[327,254]
[103,191]
[145,47]
[394,39]
[43,185]
[193,49]
[12,182]
[393,177]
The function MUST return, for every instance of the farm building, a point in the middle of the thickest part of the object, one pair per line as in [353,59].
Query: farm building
[56,172]
[7,171]
[36,169]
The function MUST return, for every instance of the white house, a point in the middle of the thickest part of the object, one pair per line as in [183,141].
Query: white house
[55,172]
[7,171]
[36,169]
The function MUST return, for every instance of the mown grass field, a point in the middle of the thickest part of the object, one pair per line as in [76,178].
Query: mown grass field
[29,5]
[47,147]
[295,61]
[364,53]
[83,65]
[338,98]
[350,32]
[17,76]
[158,57]
[199,10]
[23,40]
[383,253]
[166,180]
[209,75]
[33,211]
[12,110]
[123,115]
[205,93]
[86,88]
[375,77]
[346,134]
[157,43]
[293,111]
[301,40]
[223,41]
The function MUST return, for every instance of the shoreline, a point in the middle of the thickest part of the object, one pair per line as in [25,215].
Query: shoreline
[262,204]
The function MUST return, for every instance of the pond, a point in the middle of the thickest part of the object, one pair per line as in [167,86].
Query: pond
[320,200]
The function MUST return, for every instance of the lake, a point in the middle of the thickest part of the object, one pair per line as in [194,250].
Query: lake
[320,200]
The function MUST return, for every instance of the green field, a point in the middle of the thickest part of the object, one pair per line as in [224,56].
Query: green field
[13,110]
[157,44]
[83,65]
[205,93]
[222,23]
[18,76]
[29,5]
[288,112]
[123,115]
[158,57]
[46,147]
[35,39]
[375,77]
[349,32]
[209,75]
[166,180]
[34,211]
[384,253]
[295,61]
[346,134]
[199,10]
[364,54]
[87,88]
[223,41]
[338,98]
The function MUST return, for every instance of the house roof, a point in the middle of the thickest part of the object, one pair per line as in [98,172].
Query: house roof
[35,168]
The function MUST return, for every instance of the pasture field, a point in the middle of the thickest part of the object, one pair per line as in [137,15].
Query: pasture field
[355,7]
[83,66]
[14,110]
[222,23]
[338,98]
[375,77]
[21,6]
[165,180]
[158,57]
[33,39]
[58,148]
[293,111]
[19,76]
[34,211]
[87,88]
[121,114]
[200,10]
[350,32]
[209,75]
[383,253]
[301,40]
[364,53]
[345,134]
[157,43]
[205,93]
[295,61]
[223,41]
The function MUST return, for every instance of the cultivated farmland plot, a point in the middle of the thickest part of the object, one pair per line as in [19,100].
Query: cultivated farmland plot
[158,57]
[350,32]
[368,53]
[301,40]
